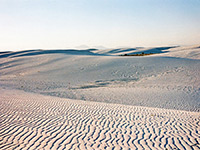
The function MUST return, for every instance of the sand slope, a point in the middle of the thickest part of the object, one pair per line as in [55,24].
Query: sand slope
[96,99]
[169,79]
[32,121]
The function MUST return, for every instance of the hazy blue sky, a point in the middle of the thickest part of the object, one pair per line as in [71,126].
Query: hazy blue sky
[51,24]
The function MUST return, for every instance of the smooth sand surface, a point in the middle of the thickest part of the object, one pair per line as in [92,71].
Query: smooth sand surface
[158,80]
[32,121]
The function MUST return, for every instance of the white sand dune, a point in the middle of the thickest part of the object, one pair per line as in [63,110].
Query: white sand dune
[32,121]
[97,99]
[154,81]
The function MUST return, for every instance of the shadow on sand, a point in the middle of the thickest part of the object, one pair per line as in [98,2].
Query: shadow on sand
[156,50]
[82,52]
[42,52]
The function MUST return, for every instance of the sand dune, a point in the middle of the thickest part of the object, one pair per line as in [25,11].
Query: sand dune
[154,81]
[97,99]
[32,121]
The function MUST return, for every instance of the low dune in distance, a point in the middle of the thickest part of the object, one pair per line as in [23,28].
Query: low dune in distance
[99,99]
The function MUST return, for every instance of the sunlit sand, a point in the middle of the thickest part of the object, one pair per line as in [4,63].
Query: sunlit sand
[99,99]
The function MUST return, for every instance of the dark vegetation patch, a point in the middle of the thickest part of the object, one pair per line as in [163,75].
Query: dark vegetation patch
[141,54]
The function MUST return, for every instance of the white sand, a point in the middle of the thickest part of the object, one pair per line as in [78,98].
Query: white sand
[106,101]
[32,121]
[153,81]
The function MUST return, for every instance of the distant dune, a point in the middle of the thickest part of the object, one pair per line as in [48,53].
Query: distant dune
[98,99]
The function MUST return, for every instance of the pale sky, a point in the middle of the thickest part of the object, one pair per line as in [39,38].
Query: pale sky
[62,24]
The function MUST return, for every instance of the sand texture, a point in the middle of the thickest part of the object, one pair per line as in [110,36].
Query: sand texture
[98,99]
[31,121]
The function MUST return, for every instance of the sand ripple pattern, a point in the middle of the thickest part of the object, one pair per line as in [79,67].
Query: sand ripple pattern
[31,121]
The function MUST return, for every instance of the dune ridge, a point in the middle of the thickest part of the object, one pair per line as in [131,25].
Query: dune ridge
[32,121]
